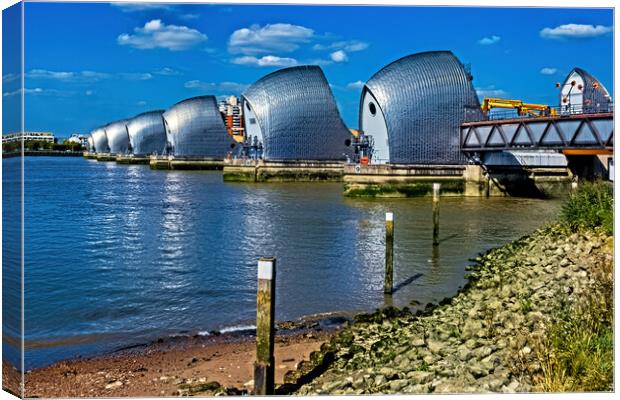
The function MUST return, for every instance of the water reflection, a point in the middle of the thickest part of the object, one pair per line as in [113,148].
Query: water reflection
[153,253]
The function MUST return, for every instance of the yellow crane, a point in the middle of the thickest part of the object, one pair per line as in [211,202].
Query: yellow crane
[523,109]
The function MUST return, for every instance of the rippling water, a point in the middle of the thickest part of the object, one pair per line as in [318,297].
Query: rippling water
[117,255]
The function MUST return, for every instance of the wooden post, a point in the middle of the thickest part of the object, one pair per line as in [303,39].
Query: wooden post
[265,332]
[389,253]
[436,188]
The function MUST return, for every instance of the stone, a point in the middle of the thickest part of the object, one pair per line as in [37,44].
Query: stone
[478,371]
[535,316]
[330,386]
[429,359]
[471,327]
[416,389]
[463,353]
[419,342]
[114,385]
[435,346]
[420,377]
[397,385]
[389,373]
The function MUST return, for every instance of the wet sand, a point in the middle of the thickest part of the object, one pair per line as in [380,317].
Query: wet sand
[163,367]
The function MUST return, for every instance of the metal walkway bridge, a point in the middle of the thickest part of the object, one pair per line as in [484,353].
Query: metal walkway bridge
[575,132]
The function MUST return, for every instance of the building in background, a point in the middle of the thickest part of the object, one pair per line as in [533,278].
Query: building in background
[29,136]
[80,139]
[232,112]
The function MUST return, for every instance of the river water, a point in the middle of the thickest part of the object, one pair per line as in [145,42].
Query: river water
[117,255]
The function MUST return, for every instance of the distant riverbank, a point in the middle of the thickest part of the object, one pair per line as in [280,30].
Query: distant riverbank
[44,153]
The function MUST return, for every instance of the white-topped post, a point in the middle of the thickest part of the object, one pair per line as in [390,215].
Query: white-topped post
[436,189]
[389,253]
[265,327]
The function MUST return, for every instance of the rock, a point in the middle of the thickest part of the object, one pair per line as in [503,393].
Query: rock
[331,386]
[429,359]
[114,385]
[478,371]
[471,344]
[482,333]
[495,305]
[464,353]
[471,327]
[379,380]
[535,316]
[419,342]
[512,387]
[389,373]
[420,377]
[416,389]
[397,385]
[435,346]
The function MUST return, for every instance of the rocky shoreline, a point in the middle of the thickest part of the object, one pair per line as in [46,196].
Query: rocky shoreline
[485,339]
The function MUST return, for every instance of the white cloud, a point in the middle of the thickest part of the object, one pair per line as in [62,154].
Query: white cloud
[133,7]
[491,91]
[38,91]
[575,31]
[348,46]
[136,76]
[265,61]
[156,34]
[189,16]
[339,56]
[268,39]
[355,85]
[93,76]
[141,103]
[317,61]
[13,93]
[166,71]
[78,76]
[548,71]
[485,41]
[9,78]
[89,93]
[216,87]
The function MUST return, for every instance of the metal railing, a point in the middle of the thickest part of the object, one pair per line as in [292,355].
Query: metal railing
[560,111]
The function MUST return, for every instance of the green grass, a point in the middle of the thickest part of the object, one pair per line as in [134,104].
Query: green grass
[590,207]
[577,355]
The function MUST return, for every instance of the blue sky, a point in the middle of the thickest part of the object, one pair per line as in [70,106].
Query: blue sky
[88,64]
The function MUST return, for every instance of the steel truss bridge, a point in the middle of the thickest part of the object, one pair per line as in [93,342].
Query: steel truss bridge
[578,133]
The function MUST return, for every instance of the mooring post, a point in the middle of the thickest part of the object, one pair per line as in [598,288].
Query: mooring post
[436,188]
[389,253]
[265,332]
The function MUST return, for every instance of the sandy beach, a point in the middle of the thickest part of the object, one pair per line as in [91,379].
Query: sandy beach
[169,367]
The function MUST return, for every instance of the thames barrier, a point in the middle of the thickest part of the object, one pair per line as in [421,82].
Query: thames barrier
[420,121]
